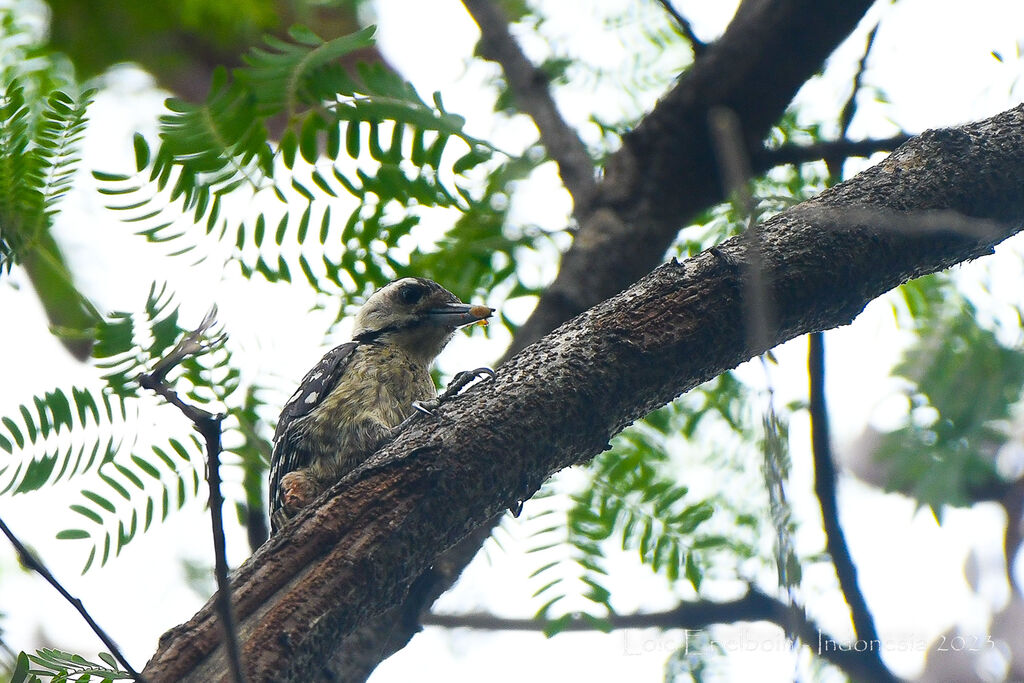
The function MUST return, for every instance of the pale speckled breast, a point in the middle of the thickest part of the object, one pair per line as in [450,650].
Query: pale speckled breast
[375,394]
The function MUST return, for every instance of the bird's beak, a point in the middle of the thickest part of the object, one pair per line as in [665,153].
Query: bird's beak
[457,315]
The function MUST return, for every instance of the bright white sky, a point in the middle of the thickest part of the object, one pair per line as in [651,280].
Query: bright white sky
[933,61]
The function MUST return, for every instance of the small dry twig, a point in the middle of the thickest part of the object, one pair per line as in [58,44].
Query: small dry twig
[35,564]
[209,426]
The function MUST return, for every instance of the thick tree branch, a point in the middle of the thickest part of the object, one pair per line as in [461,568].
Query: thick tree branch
[665,171]
[356,552]
[532,94]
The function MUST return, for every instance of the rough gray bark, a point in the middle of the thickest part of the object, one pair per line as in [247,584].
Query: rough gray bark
[944,197]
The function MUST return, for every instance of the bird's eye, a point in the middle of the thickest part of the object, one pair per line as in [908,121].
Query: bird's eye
[410,294]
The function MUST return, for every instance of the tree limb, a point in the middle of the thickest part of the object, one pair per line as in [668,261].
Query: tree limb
[694,616]
[32,562]
[532,94]
[829,149]
[682,23]
[825,480]
[355,553]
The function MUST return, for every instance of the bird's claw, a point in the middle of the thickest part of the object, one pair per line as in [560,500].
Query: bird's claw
[426,407]
[462,379]
[457,384]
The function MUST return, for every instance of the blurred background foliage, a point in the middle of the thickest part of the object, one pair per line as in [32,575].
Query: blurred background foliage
[182,43]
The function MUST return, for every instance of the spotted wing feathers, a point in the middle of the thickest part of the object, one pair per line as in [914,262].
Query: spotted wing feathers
[314,388]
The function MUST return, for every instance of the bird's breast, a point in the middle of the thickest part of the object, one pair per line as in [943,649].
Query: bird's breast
[376,391]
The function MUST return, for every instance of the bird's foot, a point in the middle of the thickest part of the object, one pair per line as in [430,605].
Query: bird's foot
[462,380]
[458,383]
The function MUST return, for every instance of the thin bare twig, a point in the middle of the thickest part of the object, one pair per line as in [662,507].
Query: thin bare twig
[829,149]
[698,45]
[734,167]
[532,94]
[850,107]
[825,479]
[35,564]
[210,427]
[834,161]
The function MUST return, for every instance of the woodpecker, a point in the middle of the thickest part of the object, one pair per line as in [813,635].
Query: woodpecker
[351,402]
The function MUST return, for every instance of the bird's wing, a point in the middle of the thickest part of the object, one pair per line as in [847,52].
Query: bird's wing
[313,389]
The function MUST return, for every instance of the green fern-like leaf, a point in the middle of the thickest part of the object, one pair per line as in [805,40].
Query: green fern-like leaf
[648,512]
[132,480]
[400,155]
[38,158]
[214,146]
[289,77]
[58,666]
[946,448]
[634,499]
[570,567]
[61,127]
[131,493]
[21,203]
[44,461]
[40,127]
[776,474]
[40,124]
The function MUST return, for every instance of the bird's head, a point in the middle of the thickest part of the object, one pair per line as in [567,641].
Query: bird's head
[417,314]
